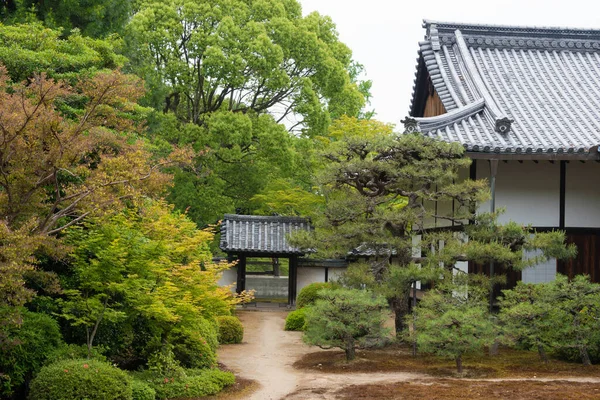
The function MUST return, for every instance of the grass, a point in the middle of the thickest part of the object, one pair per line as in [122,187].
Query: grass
[508,363]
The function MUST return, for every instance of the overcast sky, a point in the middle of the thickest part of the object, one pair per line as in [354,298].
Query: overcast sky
[384,34]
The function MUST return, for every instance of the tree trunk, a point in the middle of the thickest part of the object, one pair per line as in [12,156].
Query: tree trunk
[493,350]
[459,367]
[585,356]
[350,351]
[399,305]
[542,353]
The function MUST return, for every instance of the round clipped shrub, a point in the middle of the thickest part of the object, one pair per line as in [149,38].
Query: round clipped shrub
[194,346]
[80,379]
[142,391]
[308,294]
[296,320]
[231,330]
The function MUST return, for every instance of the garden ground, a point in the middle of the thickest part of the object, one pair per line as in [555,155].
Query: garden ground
[275,364]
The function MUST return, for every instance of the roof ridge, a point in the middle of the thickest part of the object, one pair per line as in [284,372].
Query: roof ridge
[500,28]
[272,218]
[501,120]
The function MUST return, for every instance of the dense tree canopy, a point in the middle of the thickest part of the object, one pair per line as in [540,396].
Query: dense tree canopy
[95,18]
[31,48]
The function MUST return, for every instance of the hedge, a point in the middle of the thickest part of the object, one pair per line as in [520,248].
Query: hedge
[81,379]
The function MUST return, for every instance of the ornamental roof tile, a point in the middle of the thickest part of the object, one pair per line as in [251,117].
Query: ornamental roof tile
[512,89]
[259,234]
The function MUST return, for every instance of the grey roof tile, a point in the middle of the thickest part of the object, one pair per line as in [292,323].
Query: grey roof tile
[542,83]
[260,235]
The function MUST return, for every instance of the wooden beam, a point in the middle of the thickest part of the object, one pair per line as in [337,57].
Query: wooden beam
[241,274]
[292,280]
[592,155]
[562,194]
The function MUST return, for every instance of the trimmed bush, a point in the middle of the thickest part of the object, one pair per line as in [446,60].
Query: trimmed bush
[197,383]
[231,330]
[80,379]
[142,391]
[37,337]
[194,346]
[296,320]
[308,294]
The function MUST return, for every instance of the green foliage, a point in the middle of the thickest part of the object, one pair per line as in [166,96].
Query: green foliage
[96,18]
[231,330]
[197,383]
[346,318]
[194,345]
[80,379]
[453,319]
[575,316]
[243,56]
[153,264]
[310,293]
[31,48]
[296,320]
[560,316]
[75,352]
[525,317]
[171,381]
[33,340]
[142,391]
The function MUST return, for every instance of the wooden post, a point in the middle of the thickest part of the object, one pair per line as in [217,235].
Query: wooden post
[241,274]
[292,280]
[276,266]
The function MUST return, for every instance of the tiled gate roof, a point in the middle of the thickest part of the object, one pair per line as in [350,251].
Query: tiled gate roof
[260,234]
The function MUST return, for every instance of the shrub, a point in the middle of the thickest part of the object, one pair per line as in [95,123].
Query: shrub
[347,319]
[37,337]
[80,379]
[309,293]
[296,320]
[142,391]
[74,352]
[196,383]
[231,330]
[194,346]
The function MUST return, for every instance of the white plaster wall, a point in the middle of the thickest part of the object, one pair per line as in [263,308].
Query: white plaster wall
[335,273]
[582,195]
[307,275]
[229,277]
[529,192]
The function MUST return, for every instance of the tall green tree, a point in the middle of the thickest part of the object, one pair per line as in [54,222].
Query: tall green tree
[233,78]
[380,190]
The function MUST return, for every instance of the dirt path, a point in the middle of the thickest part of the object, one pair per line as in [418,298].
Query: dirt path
[267,355]
[268,352]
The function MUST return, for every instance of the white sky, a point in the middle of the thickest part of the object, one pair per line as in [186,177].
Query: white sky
[384,34]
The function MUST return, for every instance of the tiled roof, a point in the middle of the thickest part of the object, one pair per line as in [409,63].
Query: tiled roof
[259,234]
[512,89]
